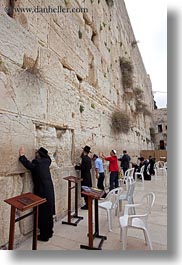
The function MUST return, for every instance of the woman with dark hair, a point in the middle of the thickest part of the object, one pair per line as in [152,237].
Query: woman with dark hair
[43,187]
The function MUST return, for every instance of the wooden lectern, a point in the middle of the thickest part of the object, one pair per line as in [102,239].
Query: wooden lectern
[22,203]
[75,180]
[93,194]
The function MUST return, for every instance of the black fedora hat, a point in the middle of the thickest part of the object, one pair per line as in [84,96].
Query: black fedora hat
[86,149]
[42,151]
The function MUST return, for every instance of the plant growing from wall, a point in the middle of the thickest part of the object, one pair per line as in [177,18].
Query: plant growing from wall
[81,108]
[138,92]
[134,43]
[127,72]
[66,2]
[80,34]
[92,106]
[120,122]
[141,107]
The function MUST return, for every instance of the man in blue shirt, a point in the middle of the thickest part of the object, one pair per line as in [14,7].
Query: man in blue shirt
[99,171]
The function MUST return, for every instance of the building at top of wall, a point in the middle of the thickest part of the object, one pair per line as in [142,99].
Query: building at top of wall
[160,123]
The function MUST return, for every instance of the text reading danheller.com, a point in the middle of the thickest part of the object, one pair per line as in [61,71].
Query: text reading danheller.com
[48,9]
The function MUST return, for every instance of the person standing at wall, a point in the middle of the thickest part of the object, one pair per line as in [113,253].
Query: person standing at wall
[85,167]
[113,168]
[125,161]
[43,187]
[99,172]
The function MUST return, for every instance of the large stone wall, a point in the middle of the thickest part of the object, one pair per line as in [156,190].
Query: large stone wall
[60,81]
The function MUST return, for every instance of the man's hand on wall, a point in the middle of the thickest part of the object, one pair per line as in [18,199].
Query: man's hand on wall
[22,151]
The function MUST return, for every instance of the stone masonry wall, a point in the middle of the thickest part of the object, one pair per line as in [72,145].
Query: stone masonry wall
[160,118]
[60,82]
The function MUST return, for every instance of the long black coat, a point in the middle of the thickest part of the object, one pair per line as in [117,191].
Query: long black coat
[125,161]
[43,185]
[86,166]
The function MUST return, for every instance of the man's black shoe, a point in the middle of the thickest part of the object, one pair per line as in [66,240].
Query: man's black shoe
[42,239]
[84,207]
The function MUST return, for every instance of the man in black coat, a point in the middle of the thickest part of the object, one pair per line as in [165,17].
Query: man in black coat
[125,161]
[85,168]
[43,187]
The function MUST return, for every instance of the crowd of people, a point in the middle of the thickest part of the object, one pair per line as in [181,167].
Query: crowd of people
[43,185]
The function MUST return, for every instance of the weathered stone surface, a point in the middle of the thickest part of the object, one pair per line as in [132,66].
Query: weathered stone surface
[60,82]
[10,186]
[15,132]
[15,41]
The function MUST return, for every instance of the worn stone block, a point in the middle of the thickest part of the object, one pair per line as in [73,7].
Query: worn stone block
[15,132]
[15,41]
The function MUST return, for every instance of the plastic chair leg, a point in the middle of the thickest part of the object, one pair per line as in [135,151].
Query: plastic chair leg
[147,239]
[109,220]
[124,238]
[120,205]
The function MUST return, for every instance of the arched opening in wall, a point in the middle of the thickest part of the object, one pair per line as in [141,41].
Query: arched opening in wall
[162,145]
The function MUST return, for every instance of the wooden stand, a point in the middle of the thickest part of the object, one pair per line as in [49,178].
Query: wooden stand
[22,203]
[94,194]
[75,180]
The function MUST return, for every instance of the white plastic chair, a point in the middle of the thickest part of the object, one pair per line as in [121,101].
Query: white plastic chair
[128,173]
[128,194]
[160,168]
[138,221]
[110,203]
[140,173]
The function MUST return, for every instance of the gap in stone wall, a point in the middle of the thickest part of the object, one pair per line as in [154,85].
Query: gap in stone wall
[92,74]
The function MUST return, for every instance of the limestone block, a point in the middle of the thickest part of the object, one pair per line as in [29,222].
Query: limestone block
[61,105]
[15,132]
[15,41]
[61,189]
[27,182]
[3,4]
[28,92]
[7,99]
[71,80]
[69,47]
[51,69]
[36,23]
[46,136]
[10,187]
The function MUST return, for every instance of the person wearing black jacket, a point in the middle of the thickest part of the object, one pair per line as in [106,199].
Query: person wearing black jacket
[85,168]
[125,161]
[43,187]
[145,163]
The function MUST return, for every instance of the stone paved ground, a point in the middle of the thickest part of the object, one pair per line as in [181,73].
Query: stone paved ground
[70,237]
